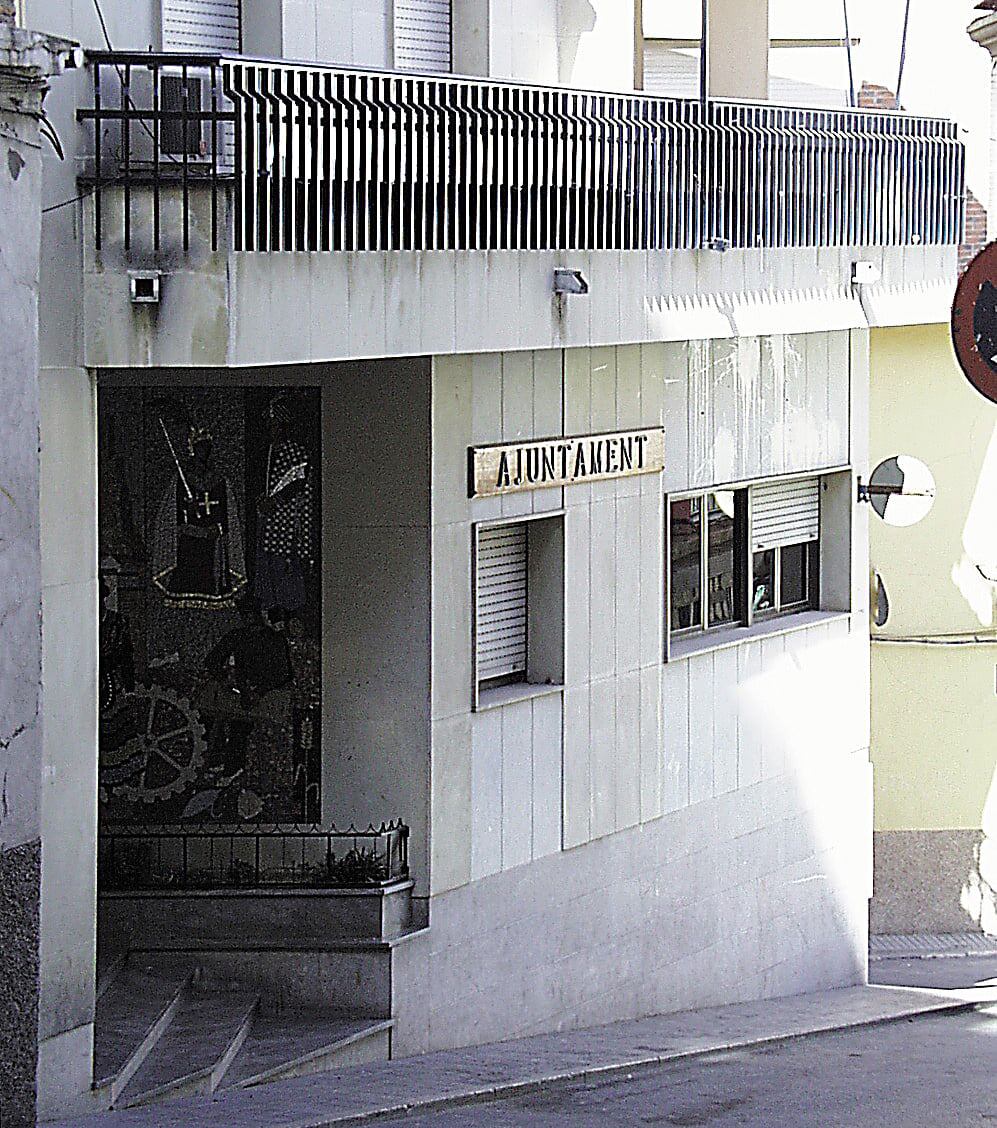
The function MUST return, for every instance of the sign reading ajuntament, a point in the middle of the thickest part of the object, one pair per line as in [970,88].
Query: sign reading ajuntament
[511,467]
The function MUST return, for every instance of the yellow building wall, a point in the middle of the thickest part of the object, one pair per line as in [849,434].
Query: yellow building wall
[934,661]
[934,707]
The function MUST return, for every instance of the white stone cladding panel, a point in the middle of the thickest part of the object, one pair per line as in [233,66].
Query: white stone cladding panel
[755,893]
[639,738]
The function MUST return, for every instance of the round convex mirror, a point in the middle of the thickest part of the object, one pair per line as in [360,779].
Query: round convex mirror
[902,490]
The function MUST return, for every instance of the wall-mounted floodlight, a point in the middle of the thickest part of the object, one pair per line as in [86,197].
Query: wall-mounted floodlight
[901,490]
[719,245]
[569,282]
[144,286]
[865,273]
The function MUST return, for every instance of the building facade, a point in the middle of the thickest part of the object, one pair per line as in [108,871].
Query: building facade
[426,437]
[933,656]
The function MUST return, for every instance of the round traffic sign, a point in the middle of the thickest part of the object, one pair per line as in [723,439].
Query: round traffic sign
[974,322]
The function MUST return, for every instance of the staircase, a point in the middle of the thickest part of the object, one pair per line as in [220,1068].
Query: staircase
[164,1030]
[198,1013]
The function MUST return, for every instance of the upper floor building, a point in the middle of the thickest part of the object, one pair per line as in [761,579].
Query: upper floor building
[411,174]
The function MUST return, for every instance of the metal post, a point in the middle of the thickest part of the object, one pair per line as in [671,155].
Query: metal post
[848,50]
[704,60]
[903,53]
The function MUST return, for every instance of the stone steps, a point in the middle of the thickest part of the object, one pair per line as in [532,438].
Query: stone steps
[283,1047]
[131,1016]
[195,1051]
[165,1030]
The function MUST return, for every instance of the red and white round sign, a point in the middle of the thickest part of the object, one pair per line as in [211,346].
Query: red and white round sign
[974,322]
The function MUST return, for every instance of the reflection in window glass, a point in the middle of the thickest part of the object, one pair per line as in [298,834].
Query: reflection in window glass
[720,549]
[763,590]
[793,574]
[686,564]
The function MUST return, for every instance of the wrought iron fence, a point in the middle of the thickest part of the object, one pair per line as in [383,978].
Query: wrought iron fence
[326,159]
[185,858]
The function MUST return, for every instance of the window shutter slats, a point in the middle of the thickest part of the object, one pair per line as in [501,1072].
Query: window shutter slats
[785,513]
[422,35]
[202,25]
[501,601]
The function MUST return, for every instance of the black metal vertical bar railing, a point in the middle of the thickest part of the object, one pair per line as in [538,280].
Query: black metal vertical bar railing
[161,124]
[183,857]
[319,159]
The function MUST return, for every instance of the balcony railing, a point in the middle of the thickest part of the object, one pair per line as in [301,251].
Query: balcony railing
[217,857]
[321,159]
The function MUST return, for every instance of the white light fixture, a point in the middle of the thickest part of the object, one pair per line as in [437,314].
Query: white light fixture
[569,282]
[144,286]
[865,273]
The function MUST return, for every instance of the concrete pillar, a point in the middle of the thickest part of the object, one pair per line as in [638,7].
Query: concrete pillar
[470,20]
[26,61]
[739,49]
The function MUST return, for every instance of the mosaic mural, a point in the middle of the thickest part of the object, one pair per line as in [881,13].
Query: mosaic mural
[210,626]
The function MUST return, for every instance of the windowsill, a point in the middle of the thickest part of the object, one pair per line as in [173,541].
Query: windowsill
[722,638]
[501,695]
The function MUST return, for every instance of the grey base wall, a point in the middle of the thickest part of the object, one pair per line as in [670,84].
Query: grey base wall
[759,893]
[929,881]
[20,882]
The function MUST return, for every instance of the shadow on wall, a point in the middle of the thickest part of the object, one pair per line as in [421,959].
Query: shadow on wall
[979,891]
[575,18]
[975,575]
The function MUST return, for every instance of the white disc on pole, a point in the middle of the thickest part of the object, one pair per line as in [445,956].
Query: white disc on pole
[902,490]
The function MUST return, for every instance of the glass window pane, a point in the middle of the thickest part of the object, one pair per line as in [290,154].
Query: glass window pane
[763,581]
[686,564]
[720,558]
[793,574]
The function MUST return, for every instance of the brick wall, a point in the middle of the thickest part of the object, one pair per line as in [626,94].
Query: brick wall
[976,231]
[872,97]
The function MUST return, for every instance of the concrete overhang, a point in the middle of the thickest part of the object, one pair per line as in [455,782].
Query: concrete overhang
[34,55]
[239,309]
[984,32]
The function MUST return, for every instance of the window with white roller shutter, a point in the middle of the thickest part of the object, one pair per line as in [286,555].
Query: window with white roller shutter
[501,595]
[518,608]
[735,556]
[785,532]
[209,26]
[422,32]
[785,513]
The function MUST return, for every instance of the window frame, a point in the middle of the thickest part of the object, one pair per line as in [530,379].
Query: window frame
[741,543]
[811,572]
[744,558]
[545,600]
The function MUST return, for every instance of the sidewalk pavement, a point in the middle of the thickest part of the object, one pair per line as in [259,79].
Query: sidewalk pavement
[429,1081]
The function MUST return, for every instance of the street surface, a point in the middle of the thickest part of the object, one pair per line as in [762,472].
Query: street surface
[927,1072]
